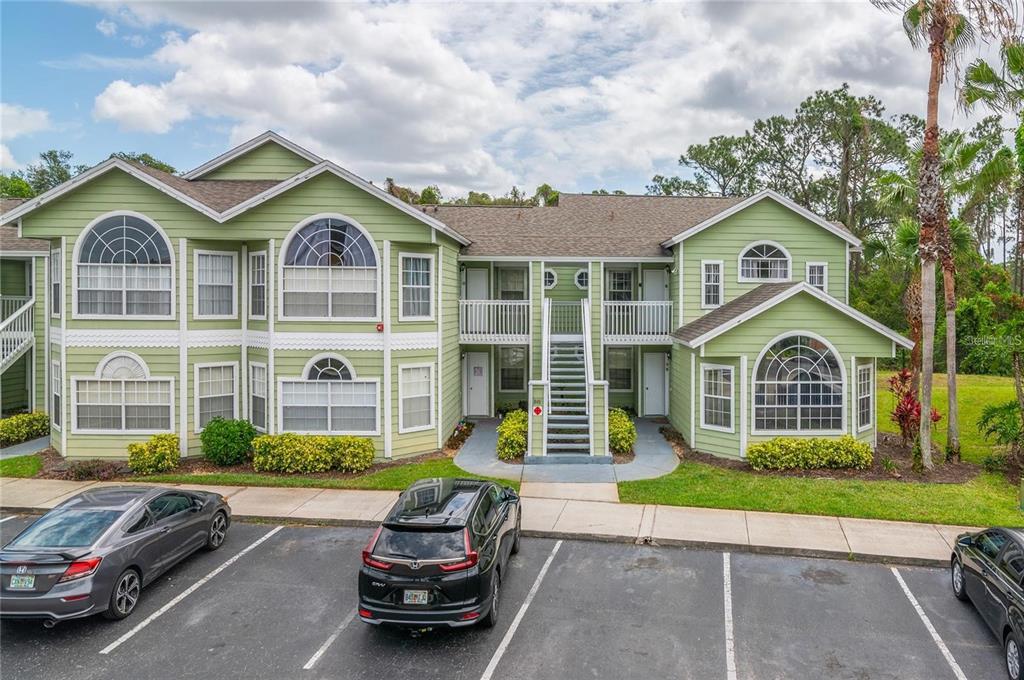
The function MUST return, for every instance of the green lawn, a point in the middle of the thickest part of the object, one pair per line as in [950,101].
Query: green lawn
[988,499]
[21,466]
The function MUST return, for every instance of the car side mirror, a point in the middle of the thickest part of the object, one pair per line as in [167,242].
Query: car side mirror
[197,505]
[509,494]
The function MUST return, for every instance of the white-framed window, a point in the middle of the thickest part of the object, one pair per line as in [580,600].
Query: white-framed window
[122,397]
[258,395]
[619,368]
[511,369]
[764,261]
[511,283]
[798,387]
[55,393]
[620,285]
[865,397]
[215,280]
[216,390]
[716,397]
[56,281]
[258,285]
[417,289]
[550,279]
[415,397]
[329,399]
[817,275]
[712,284]
[124,267]
[582,278]
[329,271]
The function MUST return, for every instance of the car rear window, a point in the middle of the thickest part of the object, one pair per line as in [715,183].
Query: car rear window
[420,545]
[67,529]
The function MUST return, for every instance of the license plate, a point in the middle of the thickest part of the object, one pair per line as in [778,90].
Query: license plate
[23,582]
[415,597]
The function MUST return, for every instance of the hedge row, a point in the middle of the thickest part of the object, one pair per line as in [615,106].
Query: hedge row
[23,427]
[784,453]
[311,453]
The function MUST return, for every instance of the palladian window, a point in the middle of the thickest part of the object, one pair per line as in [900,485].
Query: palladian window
[798,387]
[764,262]
[329,400]
[123,397]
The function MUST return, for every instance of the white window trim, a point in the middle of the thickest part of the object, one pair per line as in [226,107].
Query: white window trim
[80,239]
[632,368]
[266,396]
[525,368]
[281,266]
[732,397]
[807,274]
[195,284]
[266,288]
[195,390]
[56,306]
[432,394]
[739,263]
[862,427]
[721,283]
[576,278]
[554,278]
[279,405]
[609,289]
[401,286]
[56,381]
[74,408]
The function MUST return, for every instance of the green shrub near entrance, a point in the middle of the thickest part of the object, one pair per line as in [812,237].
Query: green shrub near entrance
[311,453]
[159,454]
[512,435]
[23,427]
[227,442]
[621,431]
[786,453]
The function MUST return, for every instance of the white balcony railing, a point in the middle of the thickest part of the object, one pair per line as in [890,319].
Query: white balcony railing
[9,304]
[637,321]
[566,318]
[494,321]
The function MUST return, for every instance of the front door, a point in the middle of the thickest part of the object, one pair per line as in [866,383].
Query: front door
[476,284]
[655,285]
[654,384]
[478,384]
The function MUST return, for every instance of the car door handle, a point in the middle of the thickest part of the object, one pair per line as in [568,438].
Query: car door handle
[163,530]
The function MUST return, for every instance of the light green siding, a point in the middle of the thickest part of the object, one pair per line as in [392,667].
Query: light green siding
[710,440]
[14,276]
[565,289]
[14,394]
[267,161]
[451,356]
[679,390]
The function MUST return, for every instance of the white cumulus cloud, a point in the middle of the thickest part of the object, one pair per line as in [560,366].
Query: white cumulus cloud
[106,27]
[18,121]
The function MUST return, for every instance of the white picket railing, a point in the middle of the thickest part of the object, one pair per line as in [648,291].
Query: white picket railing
[637,320]
[566,318]
[16,333]
[9,304]
[494,321]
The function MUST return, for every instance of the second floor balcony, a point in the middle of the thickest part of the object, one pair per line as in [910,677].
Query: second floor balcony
[637,322]
[498,321]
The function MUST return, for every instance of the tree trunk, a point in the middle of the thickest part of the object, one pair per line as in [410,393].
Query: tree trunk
[912,305]
[1018,378]
[952,414]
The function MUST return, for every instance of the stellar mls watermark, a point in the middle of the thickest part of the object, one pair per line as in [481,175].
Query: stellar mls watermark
[1007,342]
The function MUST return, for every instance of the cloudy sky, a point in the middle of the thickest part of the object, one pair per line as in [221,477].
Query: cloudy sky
[466,95]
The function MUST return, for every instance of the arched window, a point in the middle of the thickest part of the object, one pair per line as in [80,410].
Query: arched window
[330,272]
[123,397]
[123,367]
[124,269]
[764,262]
[328,399]
[798,387]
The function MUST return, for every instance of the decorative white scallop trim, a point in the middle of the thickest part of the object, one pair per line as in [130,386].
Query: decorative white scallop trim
[56,336]
[79,337]
[228,337]
[232,337]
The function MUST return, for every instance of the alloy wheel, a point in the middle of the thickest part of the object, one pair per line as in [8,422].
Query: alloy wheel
[127,593]
[1012,658]
[218,530]
[958,577]
[494,596]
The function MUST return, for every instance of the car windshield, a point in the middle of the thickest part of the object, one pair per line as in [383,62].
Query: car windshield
[420,545]
[66,529]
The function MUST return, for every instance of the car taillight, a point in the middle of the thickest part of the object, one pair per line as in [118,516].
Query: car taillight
[80,569]
[472,557]
[368,558]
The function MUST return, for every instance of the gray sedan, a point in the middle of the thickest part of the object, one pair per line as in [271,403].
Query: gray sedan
[95,552]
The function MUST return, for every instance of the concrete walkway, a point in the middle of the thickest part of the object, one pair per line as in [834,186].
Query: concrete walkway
[25,448]
[654,458]
[843,538]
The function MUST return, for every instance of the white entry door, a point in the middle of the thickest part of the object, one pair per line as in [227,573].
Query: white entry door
[476,284]
[478,384]
[654,384]
[655,285]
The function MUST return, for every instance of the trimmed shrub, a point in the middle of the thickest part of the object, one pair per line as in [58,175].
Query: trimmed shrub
[308,453]
[621,431]
[512,435]
[23,427]
[159,454]
[103,470]
[227,442]
[785,453]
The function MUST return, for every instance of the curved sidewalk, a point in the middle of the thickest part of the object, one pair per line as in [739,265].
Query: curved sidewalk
[654,458]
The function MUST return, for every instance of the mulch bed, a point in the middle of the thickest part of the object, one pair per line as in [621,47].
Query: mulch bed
[889,447]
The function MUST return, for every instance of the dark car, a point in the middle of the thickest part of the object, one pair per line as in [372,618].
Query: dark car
[440,555]
[93,553]
[986,569]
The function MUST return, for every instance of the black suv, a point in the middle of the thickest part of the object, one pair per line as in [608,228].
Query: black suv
[439,556]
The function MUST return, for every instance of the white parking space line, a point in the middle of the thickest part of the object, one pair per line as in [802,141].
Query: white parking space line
[730,641]
[500,651]
[7,518]
[188,591]
[931,629]
[330,641]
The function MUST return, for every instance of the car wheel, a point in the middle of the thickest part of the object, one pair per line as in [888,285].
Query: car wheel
[1012,657]
[491,619]
[518,534]
[218,531]
[124,596]
[956,577]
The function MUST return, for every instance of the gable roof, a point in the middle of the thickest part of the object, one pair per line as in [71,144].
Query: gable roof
[833,227]
[764,297]
[10,244]
[267,137]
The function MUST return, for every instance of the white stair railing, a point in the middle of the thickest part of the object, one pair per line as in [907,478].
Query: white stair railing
[16,333]
[565,318]
[588,354]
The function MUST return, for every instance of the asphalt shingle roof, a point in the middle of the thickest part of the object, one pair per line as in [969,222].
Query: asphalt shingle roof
[730,310]
[217,194]
[9,241]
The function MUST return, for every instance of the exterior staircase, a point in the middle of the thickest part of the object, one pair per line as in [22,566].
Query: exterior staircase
[16,329]
[568,430]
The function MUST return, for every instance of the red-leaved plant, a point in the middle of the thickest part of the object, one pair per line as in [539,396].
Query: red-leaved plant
[907,413]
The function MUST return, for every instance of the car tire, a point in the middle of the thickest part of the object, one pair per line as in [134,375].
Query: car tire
[1012,657]
[491,619]
[956,580]
[217,532]
[124,596]
[518,534]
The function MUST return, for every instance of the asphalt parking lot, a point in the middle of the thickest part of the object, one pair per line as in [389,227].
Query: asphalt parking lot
[283,608]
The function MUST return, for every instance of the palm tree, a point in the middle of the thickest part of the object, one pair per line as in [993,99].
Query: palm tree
[947,27]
